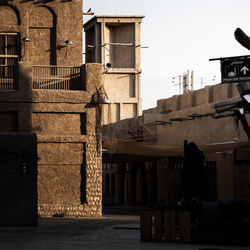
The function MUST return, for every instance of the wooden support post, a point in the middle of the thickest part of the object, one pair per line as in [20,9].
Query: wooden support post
[170,226]
[146,225]
[158,225]
[185,229]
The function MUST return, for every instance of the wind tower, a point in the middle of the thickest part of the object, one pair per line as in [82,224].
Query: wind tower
[114,41]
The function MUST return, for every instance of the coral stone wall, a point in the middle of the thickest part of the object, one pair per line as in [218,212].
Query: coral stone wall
[48,24]
[70,174]
[69,171]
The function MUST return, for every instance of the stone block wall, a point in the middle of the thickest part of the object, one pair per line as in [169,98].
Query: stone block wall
[69,142]
[48,25]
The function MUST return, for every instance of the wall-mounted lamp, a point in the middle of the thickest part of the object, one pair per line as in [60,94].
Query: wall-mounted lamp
[104,100]
[102,97]
[99,97]
[69,42]
[26,40]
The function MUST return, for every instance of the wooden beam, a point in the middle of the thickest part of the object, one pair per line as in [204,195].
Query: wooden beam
[223,115]
[225,108]
[227,102]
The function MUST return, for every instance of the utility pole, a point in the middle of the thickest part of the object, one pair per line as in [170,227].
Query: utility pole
[185,89]
[186,82]
[180,84]
[192,80]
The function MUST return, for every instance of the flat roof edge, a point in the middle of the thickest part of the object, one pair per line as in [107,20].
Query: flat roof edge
[113,16]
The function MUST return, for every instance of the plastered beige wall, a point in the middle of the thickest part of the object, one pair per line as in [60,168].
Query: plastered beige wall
[122,77]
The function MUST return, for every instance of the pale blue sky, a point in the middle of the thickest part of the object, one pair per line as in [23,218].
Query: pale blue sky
[181,35]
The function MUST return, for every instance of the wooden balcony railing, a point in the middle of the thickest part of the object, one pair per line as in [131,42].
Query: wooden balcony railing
[56,77]
[8,77]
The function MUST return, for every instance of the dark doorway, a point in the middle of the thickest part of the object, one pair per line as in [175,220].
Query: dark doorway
[18,179]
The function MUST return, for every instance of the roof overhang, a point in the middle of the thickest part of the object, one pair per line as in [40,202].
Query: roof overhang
[137,151]
[113,19]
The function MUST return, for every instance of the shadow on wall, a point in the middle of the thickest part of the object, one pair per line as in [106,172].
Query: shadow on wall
[18,153]
[18,179]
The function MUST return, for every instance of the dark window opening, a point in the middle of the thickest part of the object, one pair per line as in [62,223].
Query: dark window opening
[9,56]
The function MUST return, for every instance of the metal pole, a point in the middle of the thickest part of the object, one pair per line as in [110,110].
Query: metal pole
[192,80]
[184,82]
[180,84]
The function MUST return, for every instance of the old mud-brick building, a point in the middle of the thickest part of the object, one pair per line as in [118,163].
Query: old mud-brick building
[45,90]
[147,151]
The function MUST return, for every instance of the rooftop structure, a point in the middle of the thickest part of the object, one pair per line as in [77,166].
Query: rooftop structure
[114,41]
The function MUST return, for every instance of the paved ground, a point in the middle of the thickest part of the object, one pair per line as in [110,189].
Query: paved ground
[109,232]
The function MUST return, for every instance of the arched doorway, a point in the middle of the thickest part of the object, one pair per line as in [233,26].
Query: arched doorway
[42,33]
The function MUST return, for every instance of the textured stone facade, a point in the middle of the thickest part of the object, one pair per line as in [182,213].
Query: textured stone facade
[48,25]
[46,37]
[69,142]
